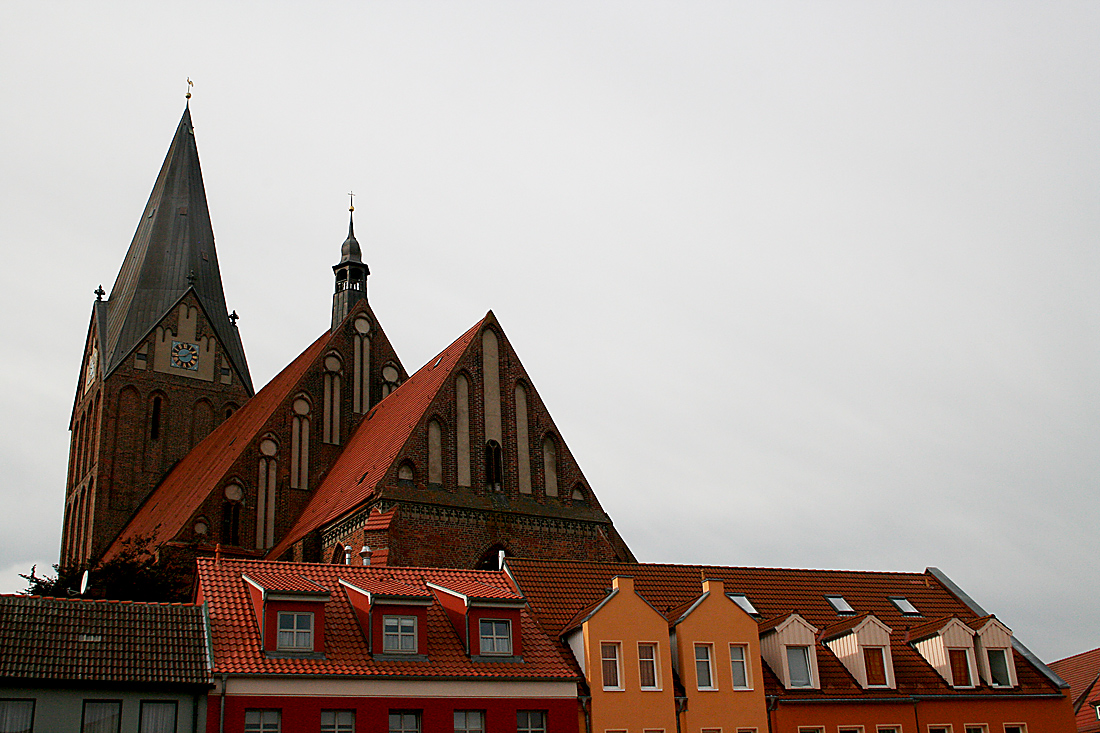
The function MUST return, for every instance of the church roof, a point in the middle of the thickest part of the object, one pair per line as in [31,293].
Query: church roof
[172,252]
[187,486]
[375,444]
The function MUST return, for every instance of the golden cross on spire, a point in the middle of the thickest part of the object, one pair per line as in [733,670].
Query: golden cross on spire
[189,85]
[351,197]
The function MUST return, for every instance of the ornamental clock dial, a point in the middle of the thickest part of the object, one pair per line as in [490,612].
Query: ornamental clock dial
[185,355]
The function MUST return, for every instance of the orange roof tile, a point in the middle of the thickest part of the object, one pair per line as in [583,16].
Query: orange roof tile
[480,591]
[236,639]
[1081,671]
[375,445]
[379,520]
[285,582]
[188,485]
[557,591]
[384,586]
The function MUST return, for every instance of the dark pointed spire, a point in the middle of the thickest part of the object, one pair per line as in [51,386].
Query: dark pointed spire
[351,273]
[174,242]
[349,250]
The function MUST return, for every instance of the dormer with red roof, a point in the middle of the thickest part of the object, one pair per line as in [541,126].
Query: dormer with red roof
[993,649]
[948,645]
[392,615]
[290,613]
[485,618]
[789,646]
[862,644]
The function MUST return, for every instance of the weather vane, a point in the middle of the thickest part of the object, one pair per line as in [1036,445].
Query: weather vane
[189,85]
[351,197]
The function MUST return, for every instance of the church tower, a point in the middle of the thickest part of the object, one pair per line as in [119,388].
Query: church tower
[163,362]
[351,275]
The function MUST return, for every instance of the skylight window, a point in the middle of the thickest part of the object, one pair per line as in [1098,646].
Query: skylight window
[839,604]
[904,606]
[743,601]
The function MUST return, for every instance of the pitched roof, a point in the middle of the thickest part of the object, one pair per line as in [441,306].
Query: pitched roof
[478,591]
[556,591]
[173,240]
[379,521]
[187,486]
[375,444]
[105,641]
[1082,671]
[236,638]
[285,583]
[386,586]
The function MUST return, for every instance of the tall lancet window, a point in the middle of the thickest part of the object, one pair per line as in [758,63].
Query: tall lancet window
[550,465]
[265,494]
[462,430]
[494,466]
[299,443]
[332,399]
[360,395]
[435,453]
[523,445]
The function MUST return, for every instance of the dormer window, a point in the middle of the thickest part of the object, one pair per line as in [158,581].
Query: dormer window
[788,645]
[993,650]
[295,632]
[839,604]
[862,644]
[960,667]
[743,601]
[496,636]
[998,667]
[904,605]
[798,666]
[874,662]
[399,634]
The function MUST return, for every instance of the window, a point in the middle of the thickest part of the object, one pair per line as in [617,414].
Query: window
[960,667]
[16,716]
[939,729]
[976,729]
[231,523]
[856,729]
[469,721]
[647,666]
[810,730]
[839,604]
[887,729]
[154,421]
[531,721]
[158,716]
[399,634]
[798,666]
[404,721]
[494,465]
[743,601]
[1015,728]
[496,636]
[904,605]
[739,667]
[101,716]
[295,631]
[609,654]
[262,721]
[874,660]
[337,721]
[998,668]
[703,678]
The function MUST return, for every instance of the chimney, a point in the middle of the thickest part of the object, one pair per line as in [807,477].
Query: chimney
[717,587]
[365,554]
[625,583]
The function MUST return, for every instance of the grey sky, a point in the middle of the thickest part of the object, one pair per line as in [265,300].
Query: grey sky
[807,284]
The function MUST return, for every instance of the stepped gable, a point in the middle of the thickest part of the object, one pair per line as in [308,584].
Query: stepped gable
[375,444]
[236,639]
[172,253]
[54,640]
[188,485]
[556,591]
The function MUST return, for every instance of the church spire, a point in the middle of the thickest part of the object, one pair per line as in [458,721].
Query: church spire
[172,253]
[351,273]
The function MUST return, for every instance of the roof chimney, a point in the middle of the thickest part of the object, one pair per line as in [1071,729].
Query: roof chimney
[625,583]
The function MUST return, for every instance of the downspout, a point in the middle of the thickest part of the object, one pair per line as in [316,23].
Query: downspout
[586,702]
[221,713]
[773,703]
[681,706]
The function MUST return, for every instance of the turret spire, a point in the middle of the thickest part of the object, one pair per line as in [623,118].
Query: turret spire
[351,272]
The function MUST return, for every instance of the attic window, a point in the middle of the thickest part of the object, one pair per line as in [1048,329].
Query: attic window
[839,604]
[743,601]
[904,606]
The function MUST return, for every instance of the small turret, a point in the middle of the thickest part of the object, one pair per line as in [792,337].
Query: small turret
[351,275]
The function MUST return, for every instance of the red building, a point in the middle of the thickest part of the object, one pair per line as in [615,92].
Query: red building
[342,649]
[1082,673]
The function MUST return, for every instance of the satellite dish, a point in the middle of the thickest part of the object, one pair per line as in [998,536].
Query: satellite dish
[84,582]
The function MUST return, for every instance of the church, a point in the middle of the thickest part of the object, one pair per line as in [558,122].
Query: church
[343,457]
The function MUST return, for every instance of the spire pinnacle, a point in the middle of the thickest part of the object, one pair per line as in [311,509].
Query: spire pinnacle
[188,95]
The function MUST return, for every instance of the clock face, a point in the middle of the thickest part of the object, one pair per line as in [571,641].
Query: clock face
[185,355]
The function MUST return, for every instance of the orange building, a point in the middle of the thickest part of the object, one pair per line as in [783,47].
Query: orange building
[790,651]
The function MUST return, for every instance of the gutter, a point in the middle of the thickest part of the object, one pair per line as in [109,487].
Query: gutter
[1016,643]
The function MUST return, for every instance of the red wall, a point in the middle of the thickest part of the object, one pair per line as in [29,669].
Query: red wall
[510,614]
[271,622]
[372,714]
[421,613]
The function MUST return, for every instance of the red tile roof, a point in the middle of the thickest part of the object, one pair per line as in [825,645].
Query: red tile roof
[375,444]
[480,591]
[1081,672]
[384,586]
[184,490]
[379,520]
[928,628]
[236,639]
[556,591]
[53,639]
[843,627]
[286,582]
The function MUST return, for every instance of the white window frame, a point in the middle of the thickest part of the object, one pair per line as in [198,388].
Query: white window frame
[529,728]
[655,661]
[809,666]
[969,667]
[945,727]
[744,666]
[297,634]
[494,638]
[336,726]
[888,728]
[1021,727]
[261,726]
[418,721]
[840,605]
[849,729]
[467,727]
[975,728]
[709,660]
[388,637]
[885,669]
[1007,662]
[617,658]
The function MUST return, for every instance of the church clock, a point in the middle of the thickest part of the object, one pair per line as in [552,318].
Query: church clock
[185,355]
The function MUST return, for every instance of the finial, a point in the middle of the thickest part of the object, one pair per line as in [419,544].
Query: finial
[351,197]
[189,85]
[233,318]
[99,293]
[191,278]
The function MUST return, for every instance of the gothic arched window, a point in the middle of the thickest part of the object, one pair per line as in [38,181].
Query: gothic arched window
[494,466]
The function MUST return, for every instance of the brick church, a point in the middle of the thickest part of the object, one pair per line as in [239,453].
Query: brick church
[343,457]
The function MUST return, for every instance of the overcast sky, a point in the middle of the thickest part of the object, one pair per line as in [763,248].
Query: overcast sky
[808,284]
